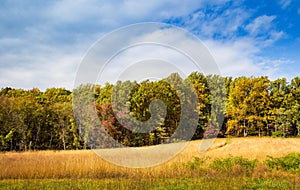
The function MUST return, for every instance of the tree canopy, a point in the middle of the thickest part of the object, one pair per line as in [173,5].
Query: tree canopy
[56,118]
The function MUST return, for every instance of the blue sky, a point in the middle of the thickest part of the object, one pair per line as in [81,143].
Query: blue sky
[43,42]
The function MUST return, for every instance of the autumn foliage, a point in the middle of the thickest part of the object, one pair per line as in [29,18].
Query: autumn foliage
[244,106]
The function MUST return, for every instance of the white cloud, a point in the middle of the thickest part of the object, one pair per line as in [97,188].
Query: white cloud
[273,67]
[171,48]
[240,58]
[272,37]
[116,13]
[42,72]
[238,53]
[260,25]
[36,65]
[284,3]
[237,57]
[234,58]
[224,24]
[54,38]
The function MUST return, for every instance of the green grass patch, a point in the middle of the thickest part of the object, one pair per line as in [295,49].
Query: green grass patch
[197,163]
[290,162]
[205,182]
[269,184]
[241,164]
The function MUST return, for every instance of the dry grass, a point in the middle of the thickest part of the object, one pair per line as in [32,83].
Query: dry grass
[254,147]
[86,164]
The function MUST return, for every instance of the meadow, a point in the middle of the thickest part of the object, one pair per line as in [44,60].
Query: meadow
[230,163]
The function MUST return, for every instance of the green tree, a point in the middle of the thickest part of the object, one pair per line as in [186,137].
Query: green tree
[201,86]
[237,106]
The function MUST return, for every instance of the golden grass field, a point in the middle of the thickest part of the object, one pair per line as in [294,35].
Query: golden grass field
[85,164]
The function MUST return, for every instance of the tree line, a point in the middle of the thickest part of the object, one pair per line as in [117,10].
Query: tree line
[243,106]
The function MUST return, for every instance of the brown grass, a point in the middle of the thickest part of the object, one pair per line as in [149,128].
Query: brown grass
[254,147]
[86,164]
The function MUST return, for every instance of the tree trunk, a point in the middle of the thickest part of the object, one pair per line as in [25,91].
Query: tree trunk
[50,142]
[63,139]
[11,145]
[245,132]
[37,137]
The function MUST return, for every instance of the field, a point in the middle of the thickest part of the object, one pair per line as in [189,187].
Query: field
[83,169]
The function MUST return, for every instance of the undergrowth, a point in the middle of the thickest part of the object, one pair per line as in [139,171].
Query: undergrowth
[290,162]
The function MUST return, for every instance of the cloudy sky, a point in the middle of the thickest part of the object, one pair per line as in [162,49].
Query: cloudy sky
[42,43]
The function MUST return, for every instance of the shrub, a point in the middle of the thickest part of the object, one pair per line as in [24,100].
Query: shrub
[230,163]
[290,162]
[196,163]
[278,134]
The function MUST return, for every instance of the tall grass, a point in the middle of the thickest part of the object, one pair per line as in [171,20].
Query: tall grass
[83,169]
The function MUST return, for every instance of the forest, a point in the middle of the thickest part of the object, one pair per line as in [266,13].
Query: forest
[246,106]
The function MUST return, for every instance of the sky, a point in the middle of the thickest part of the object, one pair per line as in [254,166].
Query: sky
[42,43]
